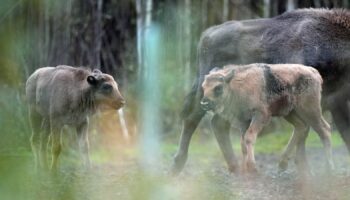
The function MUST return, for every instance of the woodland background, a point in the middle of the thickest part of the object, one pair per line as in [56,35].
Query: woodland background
[149,46]
[110,35]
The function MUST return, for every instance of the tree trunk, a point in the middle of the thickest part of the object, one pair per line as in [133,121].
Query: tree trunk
[291,5]
[317,3]
[267,8]
[225,10]
[98,34]
[187,44]
[148,46]
[204,14]
[140,33]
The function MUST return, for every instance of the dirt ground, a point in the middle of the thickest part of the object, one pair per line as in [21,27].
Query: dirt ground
[202,178]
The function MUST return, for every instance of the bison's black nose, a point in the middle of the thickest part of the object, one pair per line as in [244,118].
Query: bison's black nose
[207,104]
[122,102]
[118,103]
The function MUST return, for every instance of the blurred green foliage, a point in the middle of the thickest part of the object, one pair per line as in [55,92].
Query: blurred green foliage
[15,130]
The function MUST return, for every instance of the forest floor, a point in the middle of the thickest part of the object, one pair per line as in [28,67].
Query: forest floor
[205,176]
[118,172]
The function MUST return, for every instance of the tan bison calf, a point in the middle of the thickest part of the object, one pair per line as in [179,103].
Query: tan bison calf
[249,95]
[65,95]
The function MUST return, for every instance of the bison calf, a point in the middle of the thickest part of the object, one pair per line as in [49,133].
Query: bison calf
[249,95]
[65,95]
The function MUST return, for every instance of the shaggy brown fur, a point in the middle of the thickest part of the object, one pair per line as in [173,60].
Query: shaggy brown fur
[340,17]
[65,95]
[249,95]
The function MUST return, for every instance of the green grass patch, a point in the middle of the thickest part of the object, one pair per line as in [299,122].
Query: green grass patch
[276,142]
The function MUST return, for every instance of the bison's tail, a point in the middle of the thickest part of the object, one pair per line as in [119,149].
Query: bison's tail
[190,100]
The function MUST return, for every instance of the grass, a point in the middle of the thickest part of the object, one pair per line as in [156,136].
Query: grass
[276,142]
[117,171]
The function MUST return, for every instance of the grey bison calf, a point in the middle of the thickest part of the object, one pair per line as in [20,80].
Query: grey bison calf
[249,95]
[65,95]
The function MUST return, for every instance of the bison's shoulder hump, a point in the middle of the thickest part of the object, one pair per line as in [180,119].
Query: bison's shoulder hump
[76,73]
[340,17]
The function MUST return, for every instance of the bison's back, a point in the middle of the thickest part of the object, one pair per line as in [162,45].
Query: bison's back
[292,72]
[36,82]
[315,37]
[281,84]
[55,90]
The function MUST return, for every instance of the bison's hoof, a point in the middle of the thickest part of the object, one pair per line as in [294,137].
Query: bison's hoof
[178,163]
[174,171]
[233,168]
[251,168]
[330,167]
[176,168]
[283,165]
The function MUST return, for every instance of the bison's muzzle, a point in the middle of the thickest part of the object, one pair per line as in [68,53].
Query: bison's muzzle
[119,103]
[207,104]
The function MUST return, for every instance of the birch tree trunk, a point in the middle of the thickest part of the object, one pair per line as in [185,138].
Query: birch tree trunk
[290,5]
[140,33]
[148,58]
[225,10]
[187,44]
[317,3]
[267,8]
[98,32]
[204,14]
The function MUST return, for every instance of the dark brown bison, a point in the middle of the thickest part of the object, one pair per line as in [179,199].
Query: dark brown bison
[248,96]
[65,95]
[315,37]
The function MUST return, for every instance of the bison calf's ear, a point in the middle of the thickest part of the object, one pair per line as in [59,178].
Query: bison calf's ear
[96,71]
[214,69]
[91,80]
[229,76]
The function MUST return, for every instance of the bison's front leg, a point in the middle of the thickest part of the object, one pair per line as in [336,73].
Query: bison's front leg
[83,138]
[188,127]
[258,122]
[340,109]
[221,130]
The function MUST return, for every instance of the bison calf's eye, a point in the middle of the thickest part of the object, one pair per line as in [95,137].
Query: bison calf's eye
[91,80]
[218,90]
[106,88]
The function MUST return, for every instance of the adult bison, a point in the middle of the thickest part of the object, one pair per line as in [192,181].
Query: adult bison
[315,37]
[65,95]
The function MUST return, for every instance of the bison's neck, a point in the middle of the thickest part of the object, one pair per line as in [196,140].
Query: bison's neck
[231,107]
[87,103]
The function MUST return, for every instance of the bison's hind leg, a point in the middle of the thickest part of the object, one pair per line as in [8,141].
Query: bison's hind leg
[44,135]
[322,128]
[298,138]
[56,145]
[38,139]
